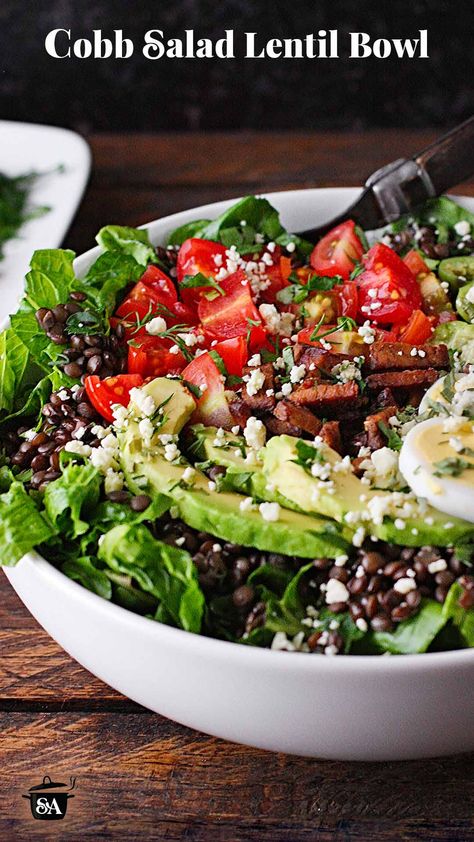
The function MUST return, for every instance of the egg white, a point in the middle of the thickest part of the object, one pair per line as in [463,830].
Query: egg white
[426,444]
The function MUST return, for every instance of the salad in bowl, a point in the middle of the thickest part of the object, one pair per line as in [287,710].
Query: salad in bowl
[252,437]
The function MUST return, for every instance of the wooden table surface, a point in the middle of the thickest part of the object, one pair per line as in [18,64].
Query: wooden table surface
[142,776]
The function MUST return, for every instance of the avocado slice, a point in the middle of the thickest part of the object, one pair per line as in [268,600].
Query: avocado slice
[146,469]
[345,505]
[244,472]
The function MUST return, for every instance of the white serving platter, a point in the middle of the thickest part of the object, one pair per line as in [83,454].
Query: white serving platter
[65,159]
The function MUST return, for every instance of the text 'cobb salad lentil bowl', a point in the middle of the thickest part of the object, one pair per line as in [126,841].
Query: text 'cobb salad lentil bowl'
[251,437]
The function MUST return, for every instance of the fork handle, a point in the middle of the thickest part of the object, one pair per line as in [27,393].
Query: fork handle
[449,160]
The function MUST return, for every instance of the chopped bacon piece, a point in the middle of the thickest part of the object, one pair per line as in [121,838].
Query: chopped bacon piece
[386,356]
[240,412]
[402,379]
[261,401]
[331,434]
[298,416]
[321,359]
[281,428]
[327,397]
[386,398]
[375,437]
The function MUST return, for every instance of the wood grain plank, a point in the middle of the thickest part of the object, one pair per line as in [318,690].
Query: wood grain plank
[270,159]
[138,775]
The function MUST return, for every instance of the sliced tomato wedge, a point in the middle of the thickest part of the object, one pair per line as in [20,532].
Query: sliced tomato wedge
[388,290]
[415,262]
[338,251]
[160,287]
[196,257]
[103,394]
[234,354]
[234,313]
[277,274]
[419,328]
[212,407]
[132,311]
[151,357]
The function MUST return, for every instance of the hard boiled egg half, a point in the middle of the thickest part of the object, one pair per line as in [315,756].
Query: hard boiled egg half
[437,461]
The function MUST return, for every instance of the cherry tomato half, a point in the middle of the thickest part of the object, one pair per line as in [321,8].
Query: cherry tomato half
[160,288]
[234,313]
[151,356]
[196,257]
[103,394]
[234,354]
[212,407]
[388,290]
[415,262]
[418,329]
[338,251]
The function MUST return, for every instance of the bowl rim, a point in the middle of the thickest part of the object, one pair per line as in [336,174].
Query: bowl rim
[229,649]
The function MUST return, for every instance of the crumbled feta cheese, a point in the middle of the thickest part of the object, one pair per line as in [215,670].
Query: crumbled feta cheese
[143,402]
[189,339]
[404,585]
[189,474]
[437,566]
[255,382]
[336,591]
[346,371]
[235,430]
[462,228]
[270,511]
[113,481]
[171,452]
[358,537]
[211,485]
[367,332]
[255,433]
[78,447]
[145,428]
[255,361]
[361,624]
[156,326]
[246,505]
[297,373]
[286,389]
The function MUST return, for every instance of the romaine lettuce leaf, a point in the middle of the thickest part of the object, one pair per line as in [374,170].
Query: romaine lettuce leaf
[166,572]
[71,499]
[22,526]
[132,241]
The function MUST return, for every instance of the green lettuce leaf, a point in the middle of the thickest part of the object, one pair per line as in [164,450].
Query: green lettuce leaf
[50,278]
[83,570]
[71,499]
[413,635]
[13,361]
[107,277]
[22,526]
[462,618]
[132,241]
[166,572]
[258,216]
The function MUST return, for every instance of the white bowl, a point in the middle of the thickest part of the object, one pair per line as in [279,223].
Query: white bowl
[345,708]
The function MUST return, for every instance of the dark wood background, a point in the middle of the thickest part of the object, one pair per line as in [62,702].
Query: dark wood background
[142,776]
